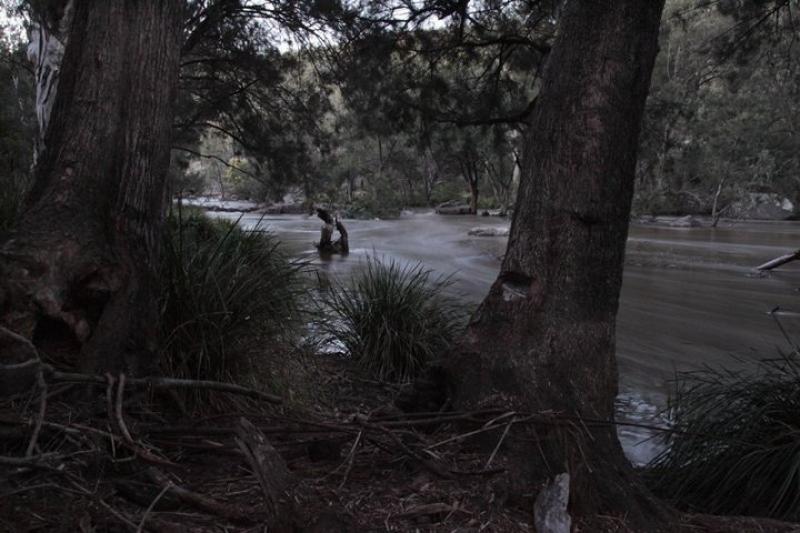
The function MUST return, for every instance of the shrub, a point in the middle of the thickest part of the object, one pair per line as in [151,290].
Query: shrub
[391,319]
[735,448]
[230,295]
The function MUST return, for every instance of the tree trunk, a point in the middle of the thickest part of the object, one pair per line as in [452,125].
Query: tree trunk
[470,171]
[543,339]
[80,268]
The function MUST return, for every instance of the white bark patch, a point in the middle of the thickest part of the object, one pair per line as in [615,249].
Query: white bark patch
[46,52]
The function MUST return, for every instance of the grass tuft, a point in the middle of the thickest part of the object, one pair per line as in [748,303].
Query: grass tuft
[735,448]
[231,296]
[391,319]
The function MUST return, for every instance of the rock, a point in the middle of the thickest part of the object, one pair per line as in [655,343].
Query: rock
[762,206]
[483,231]
[550,509]
[686,222]
[453,207]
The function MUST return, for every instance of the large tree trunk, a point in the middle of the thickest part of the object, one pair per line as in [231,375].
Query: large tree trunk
[79,270]
[543,339]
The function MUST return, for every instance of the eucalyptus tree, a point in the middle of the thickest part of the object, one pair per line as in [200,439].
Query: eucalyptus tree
[118,85]
[542,341]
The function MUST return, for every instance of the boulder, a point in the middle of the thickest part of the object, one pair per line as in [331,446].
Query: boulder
[762,206]
[453,207]
[489,231]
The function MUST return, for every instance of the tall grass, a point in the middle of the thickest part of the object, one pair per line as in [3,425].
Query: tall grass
[391,319]
[230,297]
[735,448]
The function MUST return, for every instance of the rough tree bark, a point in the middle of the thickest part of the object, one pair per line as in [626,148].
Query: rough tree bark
[543,339]
[79,269]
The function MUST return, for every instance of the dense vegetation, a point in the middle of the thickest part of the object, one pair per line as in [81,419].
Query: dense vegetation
[437,121]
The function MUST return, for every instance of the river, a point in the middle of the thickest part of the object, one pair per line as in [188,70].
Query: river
[689,297]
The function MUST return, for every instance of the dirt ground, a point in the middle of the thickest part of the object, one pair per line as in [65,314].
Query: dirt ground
[355,464]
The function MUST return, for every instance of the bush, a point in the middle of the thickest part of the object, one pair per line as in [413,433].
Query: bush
[230,295]
[393,320]
[735,448]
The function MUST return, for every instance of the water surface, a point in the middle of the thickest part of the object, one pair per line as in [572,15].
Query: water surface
[689,297]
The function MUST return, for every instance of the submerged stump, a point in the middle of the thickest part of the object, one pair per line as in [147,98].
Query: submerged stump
[326,243]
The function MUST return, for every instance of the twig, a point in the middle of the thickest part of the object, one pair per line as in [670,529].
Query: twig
[430,465]
[34,461]
[37,428]
[499,443]
[351,459]
[204,503]
[152,506]
[118,410]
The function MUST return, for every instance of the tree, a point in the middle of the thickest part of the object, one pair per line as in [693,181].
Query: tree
[78,272]
[543,338]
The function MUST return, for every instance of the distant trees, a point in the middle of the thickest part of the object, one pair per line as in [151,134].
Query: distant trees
[723,113]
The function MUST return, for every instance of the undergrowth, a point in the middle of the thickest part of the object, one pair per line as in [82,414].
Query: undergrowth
[391,319]
[734,447]
[230,301]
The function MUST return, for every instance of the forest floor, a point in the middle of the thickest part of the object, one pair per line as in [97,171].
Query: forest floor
[355,464]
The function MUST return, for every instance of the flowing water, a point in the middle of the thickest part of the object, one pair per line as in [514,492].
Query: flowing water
[689,297]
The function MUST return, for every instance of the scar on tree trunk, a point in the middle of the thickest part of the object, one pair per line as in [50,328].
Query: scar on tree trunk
[326,244]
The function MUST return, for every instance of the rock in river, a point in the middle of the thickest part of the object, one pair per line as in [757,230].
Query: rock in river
[488,231]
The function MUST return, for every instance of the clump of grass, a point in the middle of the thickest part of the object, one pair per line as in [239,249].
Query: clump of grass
[230,297]
[735,444]
[391,319]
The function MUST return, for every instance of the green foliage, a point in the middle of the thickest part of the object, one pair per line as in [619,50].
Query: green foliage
[735,444]
[714,117]
[230,296]
[391,319]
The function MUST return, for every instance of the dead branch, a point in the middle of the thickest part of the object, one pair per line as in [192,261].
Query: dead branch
[267,464]
[164,383]
[779,261]
[37,427]
[204,503]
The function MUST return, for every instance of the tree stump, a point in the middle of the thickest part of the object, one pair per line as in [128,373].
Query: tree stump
[326,243]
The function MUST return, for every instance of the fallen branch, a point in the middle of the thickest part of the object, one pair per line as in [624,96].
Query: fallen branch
[268,466]
[779,261]
[204,503]
[164,383]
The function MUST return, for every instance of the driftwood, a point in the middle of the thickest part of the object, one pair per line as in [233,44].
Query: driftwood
[779,261]
[326,243]
[268,467]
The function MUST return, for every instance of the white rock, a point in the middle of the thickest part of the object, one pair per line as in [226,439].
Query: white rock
[488,232]
[550,509]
